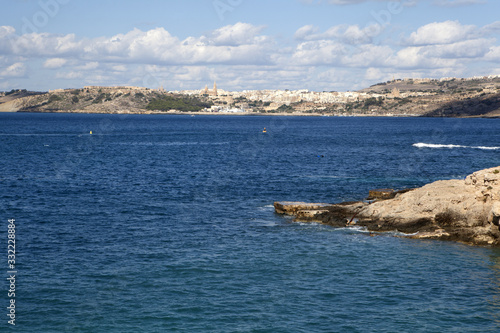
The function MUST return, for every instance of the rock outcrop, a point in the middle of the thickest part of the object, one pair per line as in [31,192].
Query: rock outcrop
[466,210]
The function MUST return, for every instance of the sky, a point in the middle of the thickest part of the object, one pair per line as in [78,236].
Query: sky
[319,45]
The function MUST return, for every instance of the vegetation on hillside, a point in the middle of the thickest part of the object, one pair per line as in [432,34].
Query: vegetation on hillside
[184,104]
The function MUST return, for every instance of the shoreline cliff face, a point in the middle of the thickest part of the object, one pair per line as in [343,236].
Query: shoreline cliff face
[466,211]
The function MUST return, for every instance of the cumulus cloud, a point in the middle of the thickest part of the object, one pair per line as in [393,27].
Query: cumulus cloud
[306,32]
[45,44]
[119,68]
[88,66]
[323,52]
[6,31]
[419,57]
[493,28]
[69,75]
[235,35]
[6,34]
[374,74]
[54,63]
[349,34]
[474,48]
[493,54]
[15,70]
[240,43]
[441,33]
[369,56]
[318,55]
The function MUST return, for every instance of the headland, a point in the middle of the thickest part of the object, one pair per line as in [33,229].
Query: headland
[464,210]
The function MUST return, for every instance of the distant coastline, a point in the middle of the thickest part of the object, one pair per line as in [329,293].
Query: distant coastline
[447,97]
[215,114]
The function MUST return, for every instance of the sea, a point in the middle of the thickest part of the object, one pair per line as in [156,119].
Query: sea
[165,223]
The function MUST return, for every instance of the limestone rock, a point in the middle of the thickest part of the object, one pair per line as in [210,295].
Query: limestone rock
[383,194]
[465,210]
[309,215]
[292,207]
[494,215]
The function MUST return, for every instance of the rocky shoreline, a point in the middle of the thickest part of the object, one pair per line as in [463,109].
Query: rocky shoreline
[463,210]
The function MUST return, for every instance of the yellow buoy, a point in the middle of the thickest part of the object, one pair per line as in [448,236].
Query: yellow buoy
[264,131]
[90,132]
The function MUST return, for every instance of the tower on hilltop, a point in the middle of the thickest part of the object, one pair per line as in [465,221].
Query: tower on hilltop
[209,92]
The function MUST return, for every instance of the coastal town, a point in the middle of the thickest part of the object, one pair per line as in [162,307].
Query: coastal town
[339,103]
[476,96]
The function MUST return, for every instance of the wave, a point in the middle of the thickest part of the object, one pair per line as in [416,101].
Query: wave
[451,146]
[266,208]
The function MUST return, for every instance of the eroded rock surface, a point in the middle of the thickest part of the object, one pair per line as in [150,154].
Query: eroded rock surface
[462,210]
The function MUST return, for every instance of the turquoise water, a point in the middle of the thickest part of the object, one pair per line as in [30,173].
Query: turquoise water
[166,224]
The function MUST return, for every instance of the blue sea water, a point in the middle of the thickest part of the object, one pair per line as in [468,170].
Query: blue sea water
[165,224]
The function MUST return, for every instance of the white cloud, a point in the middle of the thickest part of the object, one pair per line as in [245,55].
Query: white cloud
[119,68]
[493,54]
[418,57]
[349,34]
[306,32]
[54,63]
[6,31]
[241,56]
[15,70]
[493,28]
[374,74]
[235,35]
[88,66]
[369,56]
[6,35]
[323,52]
[69,75]
[240,43]
[45,44]
[230,44]
[474,49]
[442,33]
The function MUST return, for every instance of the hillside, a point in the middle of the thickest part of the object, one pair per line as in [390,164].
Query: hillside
[474,97]
[8,99]
[101,100]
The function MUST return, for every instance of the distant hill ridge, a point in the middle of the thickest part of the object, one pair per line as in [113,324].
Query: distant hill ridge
[447,97]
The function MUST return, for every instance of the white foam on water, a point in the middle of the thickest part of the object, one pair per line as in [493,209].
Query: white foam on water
[266,208]
[432,145]
[402,234]
[359,229]
[486,148]
[450,146]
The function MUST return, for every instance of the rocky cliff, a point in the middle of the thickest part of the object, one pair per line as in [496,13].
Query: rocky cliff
[466,210]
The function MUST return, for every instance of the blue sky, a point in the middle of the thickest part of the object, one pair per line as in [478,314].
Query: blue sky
[320,45]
